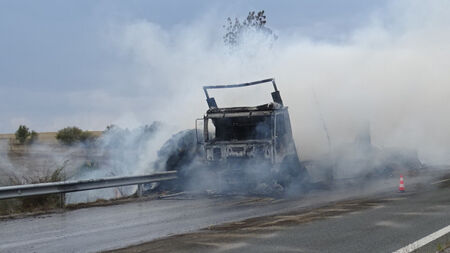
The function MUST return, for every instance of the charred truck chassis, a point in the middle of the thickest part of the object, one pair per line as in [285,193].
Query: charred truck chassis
[251,146]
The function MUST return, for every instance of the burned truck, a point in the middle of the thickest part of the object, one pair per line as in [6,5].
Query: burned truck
[251,148]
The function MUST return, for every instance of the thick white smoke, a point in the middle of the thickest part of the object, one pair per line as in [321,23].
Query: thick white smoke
[392,72]
[6,167]
[120,152]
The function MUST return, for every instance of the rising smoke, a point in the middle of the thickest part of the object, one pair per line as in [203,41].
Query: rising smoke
[121,152]
[391,72]
[117,152]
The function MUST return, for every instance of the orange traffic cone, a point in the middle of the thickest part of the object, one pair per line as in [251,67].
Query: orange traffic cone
[401,187]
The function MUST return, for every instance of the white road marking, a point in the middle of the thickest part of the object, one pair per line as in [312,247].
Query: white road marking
[427,239]
[441,181]
[387,223]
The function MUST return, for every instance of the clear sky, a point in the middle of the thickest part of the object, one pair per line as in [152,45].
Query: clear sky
[55,54]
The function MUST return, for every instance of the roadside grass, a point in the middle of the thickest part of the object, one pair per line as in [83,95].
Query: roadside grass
[443,248]
[13,208]
[33,203]
[47,172]
[29,204]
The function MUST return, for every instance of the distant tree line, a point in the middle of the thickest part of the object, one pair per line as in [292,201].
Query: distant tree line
[66,136]
[72,135]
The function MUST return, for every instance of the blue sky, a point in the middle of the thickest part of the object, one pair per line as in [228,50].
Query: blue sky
[53,51]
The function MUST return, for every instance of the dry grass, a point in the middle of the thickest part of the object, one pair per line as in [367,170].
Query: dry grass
[33,203]
[17,154]
[33,165]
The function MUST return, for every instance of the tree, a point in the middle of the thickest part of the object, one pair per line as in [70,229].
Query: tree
[23,135]
[71,135]
[255,22]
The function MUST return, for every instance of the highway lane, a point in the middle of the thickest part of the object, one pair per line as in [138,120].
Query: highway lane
[385,224]
[385,228]
[111,227]
[108,227]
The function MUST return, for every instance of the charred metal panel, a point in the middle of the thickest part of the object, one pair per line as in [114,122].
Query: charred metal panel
[211,102]
[277,97]
[239,114]
[224,151]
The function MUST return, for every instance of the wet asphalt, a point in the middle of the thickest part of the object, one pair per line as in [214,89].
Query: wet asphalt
[109,227]
[386,227]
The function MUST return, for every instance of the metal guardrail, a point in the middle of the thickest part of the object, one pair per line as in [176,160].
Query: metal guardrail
[17,191]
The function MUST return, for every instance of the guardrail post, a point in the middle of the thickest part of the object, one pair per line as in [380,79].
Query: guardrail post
[140,190]
[62,199]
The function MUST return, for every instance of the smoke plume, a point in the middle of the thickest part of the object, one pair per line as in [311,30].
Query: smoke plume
[391,72]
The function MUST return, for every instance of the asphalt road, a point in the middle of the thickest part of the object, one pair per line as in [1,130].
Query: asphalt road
[111,227]
[383,224]
[386,227]
[108,227]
